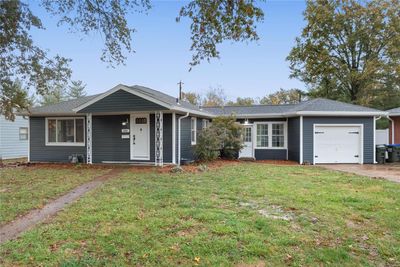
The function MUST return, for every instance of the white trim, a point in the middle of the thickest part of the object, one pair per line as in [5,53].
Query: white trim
[29,139]
[173,138]
[131,116]
[340,113]
[361,158]
[269,123]
[89,138]
[47,143]
[374,149]
[301,141]
[195,131]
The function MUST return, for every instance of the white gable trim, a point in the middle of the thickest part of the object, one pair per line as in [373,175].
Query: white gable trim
[127,89]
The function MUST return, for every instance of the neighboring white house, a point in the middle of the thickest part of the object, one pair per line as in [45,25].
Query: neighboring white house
[14,137]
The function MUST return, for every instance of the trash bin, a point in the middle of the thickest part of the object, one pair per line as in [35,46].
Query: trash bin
[380,154]
[393,152]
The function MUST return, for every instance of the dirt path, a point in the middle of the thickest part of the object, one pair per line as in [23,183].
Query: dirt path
[15,228]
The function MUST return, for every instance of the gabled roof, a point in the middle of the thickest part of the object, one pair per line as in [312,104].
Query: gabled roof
[62,108]
[317,107]
[314,107]
[394,111]
[72,107]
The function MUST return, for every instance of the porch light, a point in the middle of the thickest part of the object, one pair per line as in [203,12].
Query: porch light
[124,123]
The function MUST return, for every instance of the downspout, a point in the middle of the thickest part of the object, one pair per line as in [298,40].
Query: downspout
[375,119]
[179,137]
[392,127]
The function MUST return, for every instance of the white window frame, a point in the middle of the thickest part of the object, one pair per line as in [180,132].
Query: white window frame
[27,133]
[193,121]
[205,124]
[270,123]
[64,143]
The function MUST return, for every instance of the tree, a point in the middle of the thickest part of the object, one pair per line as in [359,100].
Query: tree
[242,101]
[76,90]
[14,98]
[212,22]
[55,96]
[223,138]
[214,98]
[349,50]
[192,97]
[291,96]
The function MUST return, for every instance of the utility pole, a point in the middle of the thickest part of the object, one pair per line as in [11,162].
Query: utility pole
[180,89]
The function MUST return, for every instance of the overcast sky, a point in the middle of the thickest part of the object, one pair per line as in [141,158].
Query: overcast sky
[162,53]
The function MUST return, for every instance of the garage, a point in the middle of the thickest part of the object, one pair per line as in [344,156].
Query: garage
[338,144]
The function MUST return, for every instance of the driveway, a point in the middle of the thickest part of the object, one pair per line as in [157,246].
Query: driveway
[389,172]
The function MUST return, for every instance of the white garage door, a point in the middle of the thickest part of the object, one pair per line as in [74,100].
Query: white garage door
[337,144]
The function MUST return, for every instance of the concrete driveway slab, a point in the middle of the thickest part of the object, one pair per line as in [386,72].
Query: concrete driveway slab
[389,172]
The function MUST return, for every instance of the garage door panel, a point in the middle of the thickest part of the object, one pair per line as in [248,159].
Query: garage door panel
[337,144]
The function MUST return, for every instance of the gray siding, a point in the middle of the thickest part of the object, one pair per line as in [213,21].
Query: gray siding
[187,149]
[308,135]
[294,139]
[109,146]
[10,145]
[122,101]
[270,154]
[39,152]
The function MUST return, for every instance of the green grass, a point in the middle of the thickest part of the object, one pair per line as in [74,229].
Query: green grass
[213,218]
[26,188]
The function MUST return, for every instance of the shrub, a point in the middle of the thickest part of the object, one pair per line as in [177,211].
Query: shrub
[221,139]
[208,145]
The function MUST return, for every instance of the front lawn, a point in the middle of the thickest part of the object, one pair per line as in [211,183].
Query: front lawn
[247,213]
[26,188]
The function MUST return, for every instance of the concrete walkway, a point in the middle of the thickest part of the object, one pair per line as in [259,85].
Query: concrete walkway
[15,228]
[389,172]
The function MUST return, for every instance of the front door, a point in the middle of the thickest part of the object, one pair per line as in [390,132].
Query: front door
[140,137]
[247,150]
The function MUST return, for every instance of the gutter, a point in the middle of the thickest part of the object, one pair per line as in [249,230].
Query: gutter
[388,117]
[179,137]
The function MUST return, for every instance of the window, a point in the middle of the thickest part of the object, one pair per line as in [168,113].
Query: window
[271,135]
[23,133]
[262,135]
[65,131]
[193,127]
[278,137]
[247,134]
[205,123]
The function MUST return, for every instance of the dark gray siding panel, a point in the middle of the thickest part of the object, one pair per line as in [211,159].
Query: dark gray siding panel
[122,101]
[186,144]
[167,136]
[270,154]
[294,139]
[308,135]
[39,152]
[108,145]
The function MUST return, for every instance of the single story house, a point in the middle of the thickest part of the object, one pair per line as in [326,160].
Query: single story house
[394,126]
[136,124]
[14,138]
